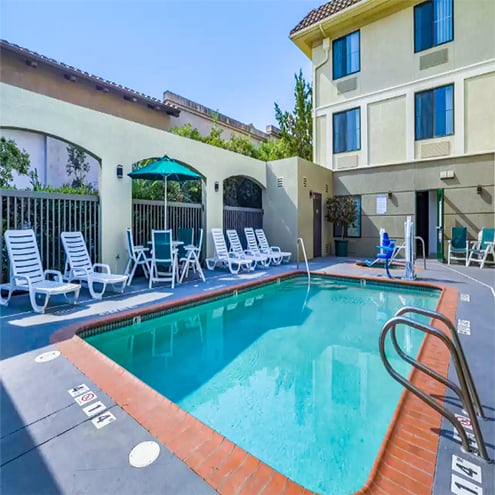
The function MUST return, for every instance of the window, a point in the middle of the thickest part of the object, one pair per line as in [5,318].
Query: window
[434,110]
[346,55]
[347,131]
[433,24]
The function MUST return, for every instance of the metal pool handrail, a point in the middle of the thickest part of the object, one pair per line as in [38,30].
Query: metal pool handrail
[463,391]
[300,241]
[473,393]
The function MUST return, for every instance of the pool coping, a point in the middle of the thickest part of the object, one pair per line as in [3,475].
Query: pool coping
[405,462]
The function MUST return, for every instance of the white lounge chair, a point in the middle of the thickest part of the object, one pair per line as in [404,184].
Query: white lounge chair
[484,247]
[222,256]
[138,256]
[163,258]
[26,272]
[236,247]
[252,244]
[78,266]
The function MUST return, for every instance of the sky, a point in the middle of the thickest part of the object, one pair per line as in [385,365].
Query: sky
[233,56]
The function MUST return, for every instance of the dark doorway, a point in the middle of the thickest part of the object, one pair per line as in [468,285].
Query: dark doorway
[422,223]
[316,225]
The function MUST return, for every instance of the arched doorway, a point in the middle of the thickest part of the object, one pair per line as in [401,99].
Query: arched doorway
[242,204]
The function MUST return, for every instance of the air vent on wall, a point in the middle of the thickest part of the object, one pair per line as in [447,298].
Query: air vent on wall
[432,59]
[432,150]
[280,182]
[347,85]
[305,182]
[348,161]
[326,188]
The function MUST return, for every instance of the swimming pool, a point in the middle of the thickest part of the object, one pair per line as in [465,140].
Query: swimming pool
[293,377]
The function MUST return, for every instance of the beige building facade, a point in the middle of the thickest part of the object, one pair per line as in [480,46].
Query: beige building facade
[404,113]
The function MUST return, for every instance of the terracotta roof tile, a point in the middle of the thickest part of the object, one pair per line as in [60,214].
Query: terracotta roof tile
[320,13]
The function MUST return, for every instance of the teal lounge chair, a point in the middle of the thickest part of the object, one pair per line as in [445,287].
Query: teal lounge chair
[458,245]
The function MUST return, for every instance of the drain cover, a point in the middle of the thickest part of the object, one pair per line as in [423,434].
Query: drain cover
[47,356]
[144,454]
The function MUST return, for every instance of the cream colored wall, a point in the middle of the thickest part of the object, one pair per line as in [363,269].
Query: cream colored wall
[321,138]
[463,206]
[280,204]
[387,51]
[318,179]
[118,141]
[387,131]
[288,210]
[479,109]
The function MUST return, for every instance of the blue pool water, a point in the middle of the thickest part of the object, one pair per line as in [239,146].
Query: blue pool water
[293,377]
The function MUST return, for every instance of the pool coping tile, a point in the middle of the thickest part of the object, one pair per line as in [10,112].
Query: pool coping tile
[399,466]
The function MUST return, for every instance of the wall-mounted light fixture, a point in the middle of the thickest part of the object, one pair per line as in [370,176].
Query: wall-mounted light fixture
[216,186]
[120,171]
[390,195]
[479,190]
[310,194]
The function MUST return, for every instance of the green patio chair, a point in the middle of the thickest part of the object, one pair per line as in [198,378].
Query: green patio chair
[483,248]
[458,245]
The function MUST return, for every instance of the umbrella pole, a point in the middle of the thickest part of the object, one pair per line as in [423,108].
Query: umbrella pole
[165,201]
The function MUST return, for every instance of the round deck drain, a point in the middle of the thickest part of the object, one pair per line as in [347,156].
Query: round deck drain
[47,356]
[144,454]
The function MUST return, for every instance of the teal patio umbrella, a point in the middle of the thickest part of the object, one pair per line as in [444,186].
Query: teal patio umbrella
[165,168]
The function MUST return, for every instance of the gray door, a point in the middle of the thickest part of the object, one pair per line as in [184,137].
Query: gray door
[316,225]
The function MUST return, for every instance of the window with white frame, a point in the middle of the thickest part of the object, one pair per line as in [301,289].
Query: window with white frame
[347,131]
[433,24]
[434,112]
[346,56]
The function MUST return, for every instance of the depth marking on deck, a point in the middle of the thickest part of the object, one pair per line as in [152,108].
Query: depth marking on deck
[466,468]
[465,298]
[464,327]
[86,398]
[78,390]
[95,408]
[460,486]
[103,420]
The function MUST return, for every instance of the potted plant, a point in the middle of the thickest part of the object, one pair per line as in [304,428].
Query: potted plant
[342,212]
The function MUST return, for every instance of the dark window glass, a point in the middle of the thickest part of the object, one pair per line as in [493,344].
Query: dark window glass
[433,24]
[346,55]
[434,111]
[347,131]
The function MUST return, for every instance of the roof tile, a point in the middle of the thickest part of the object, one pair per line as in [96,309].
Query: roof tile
[320,13]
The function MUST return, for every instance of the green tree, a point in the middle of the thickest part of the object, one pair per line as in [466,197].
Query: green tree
[297,127]
[11,159]
[77,165]
[342,211]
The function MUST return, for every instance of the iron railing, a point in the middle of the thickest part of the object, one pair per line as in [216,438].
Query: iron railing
[236,217]
[148,215]
[49,214]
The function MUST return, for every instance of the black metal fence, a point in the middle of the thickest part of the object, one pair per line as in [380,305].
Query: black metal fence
[50,214]
[235,217]
[148,215]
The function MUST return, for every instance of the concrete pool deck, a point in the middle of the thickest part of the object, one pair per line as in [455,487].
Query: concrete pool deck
[50,445]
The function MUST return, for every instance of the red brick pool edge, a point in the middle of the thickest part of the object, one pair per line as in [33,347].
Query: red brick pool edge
[405,463]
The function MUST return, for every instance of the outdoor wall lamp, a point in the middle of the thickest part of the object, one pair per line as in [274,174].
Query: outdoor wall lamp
[216,186]
[310,194]
[120,171]
[479,190]
[390,195]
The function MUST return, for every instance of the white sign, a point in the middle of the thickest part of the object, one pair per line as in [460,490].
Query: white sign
[466,468]
[94,409]
[86,398]
[103,420]
[80,389]
[381,204]
[464,487]
[466,422]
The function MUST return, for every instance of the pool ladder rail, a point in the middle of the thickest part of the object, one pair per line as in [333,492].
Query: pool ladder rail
[300,242]
[466,389]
